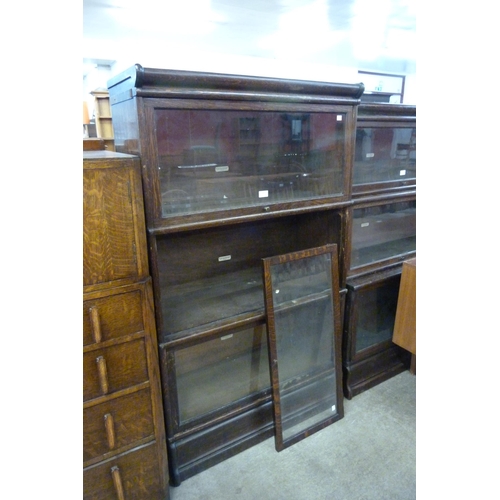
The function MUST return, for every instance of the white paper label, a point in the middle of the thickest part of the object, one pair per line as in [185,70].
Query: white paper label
[402,172]
[365,224]
[333,408]
[224,257]
[263,194]
[222,168]
[227,337]
[339,118]
[370,155]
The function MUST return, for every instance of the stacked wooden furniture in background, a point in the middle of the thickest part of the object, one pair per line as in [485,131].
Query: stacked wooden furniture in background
[235,169]
[124,450]
[382,235]
[103,118]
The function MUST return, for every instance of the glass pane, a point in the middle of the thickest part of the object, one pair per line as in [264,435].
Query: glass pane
[376,314]
[220,371]
[383,231]
[384,154]
[302,329]
[215,160]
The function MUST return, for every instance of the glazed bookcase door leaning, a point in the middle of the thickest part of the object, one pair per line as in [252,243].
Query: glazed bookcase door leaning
[303,319]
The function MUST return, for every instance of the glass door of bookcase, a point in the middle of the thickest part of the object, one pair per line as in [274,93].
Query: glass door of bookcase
[303,318]
[384,154]
[212,159]
[383,231]
[220,373]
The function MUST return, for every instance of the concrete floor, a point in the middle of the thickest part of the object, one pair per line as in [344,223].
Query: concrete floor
[370,454]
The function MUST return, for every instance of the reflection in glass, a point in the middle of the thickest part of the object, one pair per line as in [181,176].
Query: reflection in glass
[303,325]
[219,159]
[384,154]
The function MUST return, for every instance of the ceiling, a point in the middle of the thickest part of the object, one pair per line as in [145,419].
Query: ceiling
[371,35]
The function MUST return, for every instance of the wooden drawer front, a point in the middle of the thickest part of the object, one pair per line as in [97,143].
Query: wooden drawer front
[120,422]
[112,317]
[131,476]
[114,368]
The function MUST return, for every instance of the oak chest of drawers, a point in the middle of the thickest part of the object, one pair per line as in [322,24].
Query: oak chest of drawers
[124,448]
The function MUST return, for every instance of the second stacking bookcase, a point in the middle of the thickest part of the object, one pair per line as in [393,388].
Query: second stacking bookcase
[382,234]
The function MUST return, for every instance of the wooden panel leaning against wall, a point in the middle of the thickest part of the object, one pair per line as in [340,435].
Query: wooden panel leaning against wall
[124,448]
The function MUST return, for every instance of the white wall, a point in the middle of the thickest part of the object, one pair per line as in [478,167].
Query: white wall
[410,95]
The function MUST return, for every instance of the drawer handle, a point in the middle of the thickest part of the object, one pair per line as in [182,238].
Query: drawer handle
[96,324]
[109,424]
[117,480]
[103,374]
